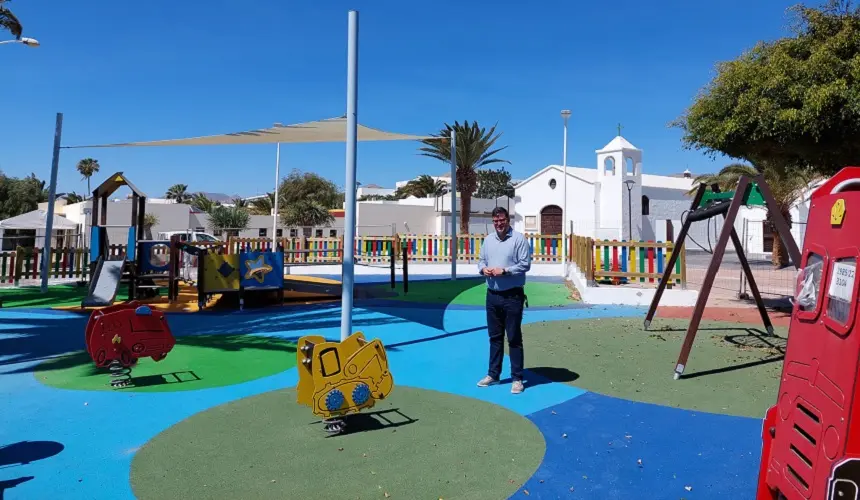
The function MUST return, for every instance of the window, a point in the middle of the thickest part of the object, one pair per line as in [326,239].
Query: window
[218,232]
[629,164]
[531,222]
[332,233]
[205,237]
[279,233]
[262,232]
[552,183]
[200,229]
[609,165]
[294,233]
[841,289]
[318,233]
[646,205]
[809,283]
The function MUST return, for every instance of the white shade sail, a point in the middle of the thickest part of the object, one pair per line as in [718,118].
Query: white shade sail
[36,219]
[328,130]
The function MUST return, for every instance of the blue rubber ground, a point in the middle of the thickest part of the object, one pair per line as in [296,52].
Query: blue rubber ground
[79,444]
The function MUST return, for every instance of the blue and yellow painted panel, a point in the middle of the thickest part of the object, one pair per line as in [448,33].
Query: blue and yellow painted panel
[221,273]
[261,269]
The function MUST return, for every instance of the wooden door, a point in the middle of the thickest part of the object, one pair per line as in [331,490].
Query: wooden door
[550,220]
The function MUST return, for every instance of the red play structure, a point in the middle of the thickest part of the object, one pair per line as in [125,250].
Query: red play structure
[811,446]
[117,336]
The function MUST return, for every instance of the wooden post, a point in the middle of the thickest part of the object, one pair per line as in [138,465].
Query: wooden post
[713,267]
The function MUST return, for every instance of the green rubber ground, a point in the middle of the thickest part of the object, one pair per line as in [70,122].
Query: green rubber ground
[198,362]
[472,292]
[426,444]
[56,296]
[731,369]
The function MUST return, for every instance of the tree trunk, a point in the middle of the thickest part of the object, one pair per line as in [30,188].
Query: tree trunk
[780,257]
[465,211]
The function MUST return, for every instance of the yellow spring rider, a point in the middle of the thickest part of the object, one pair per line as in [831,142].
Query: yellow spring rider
[339,378]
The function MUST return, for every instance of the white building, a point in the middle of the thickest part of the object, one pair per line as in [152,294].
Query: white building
[617,200]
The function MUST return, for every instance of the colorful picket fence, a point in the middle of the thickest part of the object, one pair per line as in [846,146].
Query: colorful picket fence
[623,262]
[26,263]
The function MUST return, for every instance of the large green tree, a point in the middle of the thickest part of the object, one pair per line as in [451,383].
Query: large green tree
[20,195]
[476,148]
[794,101]
[494,184]
[305,199]
[9,22]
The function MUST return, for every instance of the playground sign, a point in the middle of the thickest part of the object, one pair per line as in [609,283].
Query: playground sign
[842,281]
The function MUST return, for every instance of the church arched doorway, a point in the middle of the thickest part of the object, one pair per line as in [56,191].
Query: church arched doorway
[550,220]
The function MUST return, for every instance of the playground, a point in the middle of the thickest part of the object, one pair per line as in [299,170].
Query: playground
[600,417]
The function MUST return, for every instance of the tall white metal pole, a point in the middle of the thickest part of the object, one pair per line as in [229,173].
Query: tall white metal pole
[348,273]
[454,233]
[52,191]
[275,213]
[565,114]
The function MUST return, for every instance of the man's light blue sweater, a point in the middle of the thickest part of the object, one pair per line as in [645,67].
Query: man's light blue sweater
[512,253]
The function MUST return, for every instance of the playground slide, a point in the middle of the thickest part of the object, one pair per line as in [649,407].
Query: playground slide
[105,282]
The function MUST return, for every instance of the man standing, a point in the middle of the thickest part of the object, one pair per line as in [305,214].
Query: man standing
[505,258]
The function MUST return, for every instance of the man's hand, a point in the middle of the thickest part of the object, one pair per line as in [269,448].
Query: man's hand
[494,271]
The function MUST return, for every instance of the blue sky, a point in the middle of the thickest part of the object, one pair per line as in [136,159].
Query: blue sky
[125,71]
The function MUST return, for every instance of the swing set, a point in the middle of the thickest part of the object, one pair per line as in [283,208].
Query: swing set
[709,202]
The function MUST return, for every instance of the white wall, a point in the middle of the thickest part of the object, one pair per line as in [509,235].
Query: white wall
[368,191]
[536,194]
[406,218]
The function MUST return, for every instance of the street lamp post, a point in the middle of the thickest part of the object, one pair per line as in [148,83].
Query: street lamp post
[630,183]
[565,115]
[29,42]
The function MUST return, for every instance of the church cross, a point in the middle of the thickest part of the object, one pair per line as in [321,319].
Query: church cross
[619,129]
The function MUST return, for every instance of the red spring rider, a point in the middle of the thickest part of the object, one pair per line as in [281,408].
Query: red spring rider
[811,446]
[117,336]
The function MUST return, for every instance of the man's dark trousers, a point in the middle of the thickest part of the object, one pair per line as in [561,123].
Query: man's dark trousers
[505,314]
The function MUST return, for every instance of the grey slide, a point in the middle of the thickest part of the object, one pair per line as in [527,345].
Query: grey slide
[105,282]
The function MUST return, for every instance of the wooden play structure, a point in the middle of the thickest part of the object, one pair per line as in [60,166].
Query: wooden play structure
[109,270]
[219,273]
[811,437]
[340,378]
[709,203]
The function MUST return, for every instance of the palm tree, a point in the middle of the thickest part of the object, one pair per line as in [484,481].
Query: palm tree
[424,186]
[231,220]
[178,192]
[304,213]
[149,221]
[787,184]
[202,203]
[263,206]
[73,197]
[87,167]
[9,22]
[474,150]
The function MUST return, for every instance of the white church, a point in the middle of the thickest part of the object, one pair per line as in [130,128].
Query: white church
[617,201]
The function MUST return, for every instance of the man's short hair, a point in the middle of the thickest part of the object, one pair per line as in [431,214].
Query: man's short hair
[499,211]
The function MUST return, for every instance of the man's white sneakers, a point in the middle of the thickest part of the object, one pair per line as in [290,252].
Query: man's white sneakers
[516,388]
